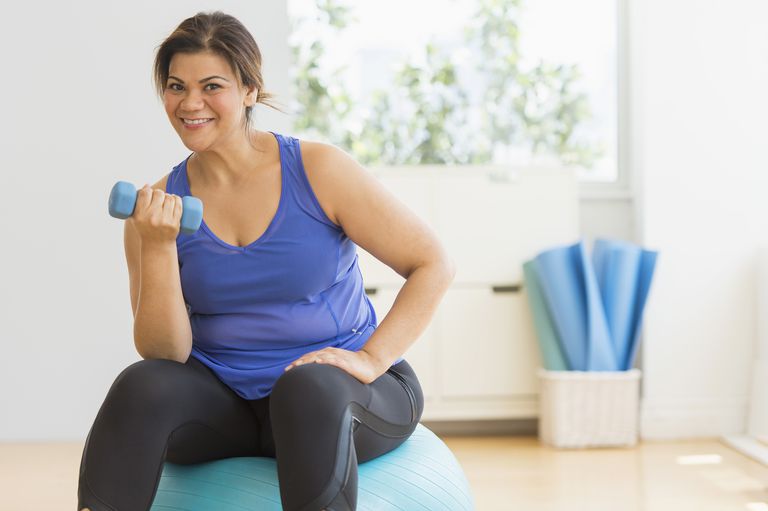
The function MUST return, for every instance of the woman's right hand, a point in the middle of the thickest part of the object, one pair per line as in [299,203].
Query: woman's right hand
[157,215]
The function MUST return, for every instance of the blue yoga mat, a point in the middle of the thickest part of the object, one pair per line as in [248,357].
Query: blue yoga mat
[572,295]
[624,272]
[616,267]
[549,345]
[594,307]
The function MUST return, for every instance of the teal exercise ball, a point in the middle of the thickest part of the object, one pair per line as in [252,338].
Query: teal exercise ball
[421,474]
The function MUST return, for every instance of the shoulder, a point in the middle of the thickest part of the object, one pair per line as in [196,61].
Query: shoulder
[316,154]
[368,212]
[326,162]
[332,173]
[160,185]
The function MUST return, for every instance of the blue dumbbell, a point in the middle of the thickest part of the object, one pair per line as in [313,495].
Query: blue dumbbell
[122,201]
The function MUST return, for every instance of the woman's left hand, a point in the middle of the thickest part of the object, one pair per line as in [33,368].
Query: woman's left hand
[359,364]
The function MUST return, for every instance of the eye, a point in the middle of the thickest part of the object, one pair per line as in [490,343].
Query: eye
[180,86]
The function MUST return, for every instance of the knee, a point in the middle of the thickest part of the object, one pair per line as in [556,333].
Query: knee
[145,386]
[311,388]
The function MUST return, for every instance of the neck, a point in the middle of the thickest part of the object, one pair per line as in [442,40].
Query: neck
[232,165]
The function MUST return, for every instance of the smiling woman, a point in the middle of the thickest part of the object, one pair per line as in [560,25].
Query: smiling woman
[216,99]
[257,335]
[242,59]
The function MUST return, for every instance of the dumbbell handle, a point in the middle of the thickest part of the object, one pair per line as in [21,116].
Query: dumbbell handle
[122,202]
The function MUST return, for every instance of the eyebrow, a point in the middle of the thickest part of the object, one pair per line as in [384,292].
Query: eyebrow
[200,81]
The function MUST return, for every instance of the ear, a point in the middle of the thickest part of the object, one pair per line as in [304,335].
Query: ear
[250,98]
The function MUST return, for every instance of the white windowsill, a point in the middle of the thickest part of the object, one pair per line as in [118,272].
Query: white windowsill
[588,191]
[609,192]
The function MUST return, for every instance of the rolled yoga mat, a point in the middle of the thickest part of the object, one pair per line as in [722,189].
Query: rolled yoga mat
[624,272]
[647,266]
[572,295]
[549,345]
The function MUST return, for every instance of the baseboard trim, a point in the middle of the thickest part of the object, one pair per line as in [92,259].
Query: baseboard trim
[749,446]
[681,418]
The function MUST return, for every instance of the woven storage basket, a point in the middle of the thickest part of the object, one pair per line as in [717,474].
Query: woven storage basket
[589,409]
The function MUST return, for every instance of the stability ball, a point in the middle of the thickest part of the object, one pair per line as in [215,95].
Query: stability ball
[422,474]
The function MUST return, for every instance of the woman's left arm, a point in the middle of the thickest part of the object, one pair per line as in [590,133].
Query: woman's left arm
[381,224]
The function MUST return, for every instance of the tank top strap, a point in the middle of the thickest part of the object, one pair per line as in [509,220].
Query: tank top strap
[297,184]
[176,183]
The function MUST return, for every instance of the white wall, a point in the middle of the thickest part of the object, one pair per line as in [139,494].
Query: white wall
[698,150]
[79,113]
[607,217]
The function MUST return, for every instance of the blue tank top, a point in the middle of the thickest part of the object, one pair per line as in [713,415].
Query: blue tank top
[298,288]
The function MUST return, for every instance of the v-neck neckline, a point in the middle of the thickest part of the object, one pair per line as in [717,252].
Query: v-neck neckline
[268,231]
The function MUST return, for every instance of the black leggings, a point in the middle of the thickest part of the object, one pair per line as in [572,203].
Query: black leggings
[162,410]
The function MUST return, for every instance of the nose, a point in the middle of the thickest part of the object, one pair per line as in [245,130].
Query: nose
[191,102]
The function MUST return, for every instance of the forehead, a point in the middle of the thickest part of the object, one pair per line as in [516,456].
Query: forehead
[199,65]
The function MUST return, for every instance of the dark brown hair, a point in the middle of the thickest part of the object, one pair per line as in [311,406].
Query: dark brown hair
[223,35]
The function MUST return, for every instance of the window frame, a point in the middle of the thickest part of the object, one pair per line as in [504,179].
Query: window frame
[622,187]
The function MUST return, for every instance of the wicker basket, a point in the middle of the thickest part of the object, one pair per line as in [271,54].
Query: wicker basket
[589,409]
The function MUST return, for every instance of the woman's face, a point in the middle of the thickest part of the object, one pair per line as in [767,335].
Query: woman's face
[201,87]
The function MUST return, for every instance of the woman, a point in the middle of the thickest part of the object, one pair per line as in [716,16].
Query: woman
[256,334]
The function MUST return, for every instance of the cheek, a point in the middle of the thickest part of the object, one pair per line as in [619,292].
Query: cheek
[170,105]
[224,105]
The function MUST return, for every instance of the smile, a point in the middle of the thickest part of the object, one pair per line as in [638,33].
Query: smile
[196,121]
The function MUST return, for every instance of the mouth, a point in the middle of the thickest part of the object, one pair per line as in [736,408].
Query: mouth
[194,123]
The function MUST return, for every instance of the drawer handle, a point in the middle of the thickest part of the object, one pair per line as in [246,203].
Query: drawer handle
[508,288]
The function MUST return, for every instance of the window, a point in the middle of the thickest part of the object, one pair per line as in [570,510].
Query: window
[455,82]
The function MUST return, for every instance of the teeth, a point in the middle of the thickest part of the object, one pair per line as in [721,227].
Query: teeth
[195,121]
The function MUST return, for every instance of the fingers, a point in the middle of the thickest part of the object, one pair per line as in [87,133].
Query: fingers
[148,199]
[143,198]
[177,207]
[171,205]
[157,214]
[155,202]
[324,356]
[307,358]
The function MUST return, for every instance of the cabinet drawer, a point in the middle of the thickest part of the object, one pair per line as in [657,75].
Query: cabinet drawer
[488,347]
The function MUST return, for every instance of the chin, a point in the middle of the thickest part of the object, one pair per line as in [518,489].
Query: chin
[194,146]
[191,139]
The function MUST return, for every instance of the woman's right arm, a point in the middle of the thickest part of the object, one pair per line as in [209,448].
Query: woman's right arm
[161,327]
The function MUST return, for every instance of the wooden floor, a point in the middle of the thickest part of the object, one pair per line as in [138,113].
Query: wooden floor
[506,473]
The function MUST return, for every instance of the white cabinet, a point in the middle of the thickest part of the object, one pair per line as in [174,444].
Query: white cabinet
[491,333]
[478,357]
